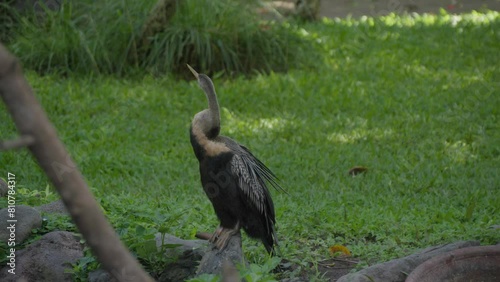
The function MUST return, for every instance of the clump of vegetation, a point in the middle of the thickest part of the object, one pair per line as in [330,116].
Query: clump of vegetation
[101,37]
[215,35]
[7,20]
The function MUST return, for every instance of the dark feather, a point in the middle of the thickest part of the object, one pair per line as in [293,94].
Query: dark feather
[252,175]
[263,171]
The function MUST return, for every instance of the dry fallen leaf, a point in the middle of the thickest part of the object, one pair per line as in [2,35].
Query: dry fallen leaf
[357,170]
[339,248]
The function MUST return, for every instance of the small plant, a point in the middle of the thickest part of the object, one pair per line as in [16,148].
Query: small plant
[83,266]
[251,273]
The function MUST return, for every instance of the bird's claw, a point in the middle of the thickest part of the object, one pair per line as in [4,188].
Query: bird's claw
[223,239]
[216,234]
[223,236]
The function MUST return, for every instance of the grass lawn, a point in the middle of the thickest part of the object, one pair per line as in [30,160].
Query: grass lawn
[415,100]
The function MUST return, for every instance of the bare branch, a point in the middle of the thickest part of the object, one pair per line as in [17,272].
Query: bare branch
[53,158]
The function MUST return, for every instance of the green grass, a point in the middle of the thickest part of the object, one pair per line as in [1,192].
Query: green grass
[413,99]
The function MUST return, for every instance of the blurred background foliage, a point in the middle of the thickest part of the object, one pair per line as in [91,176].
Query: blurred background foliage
[102,37]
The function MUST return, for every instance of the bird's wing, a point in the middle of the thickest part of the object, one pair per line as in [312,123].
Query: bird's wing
[261,169]
[251,183]
[252,175]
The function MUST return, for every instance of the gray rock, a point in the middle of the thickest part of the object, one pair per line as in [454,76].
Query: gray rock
[27,219]
[229,273]
[183,254]
[396,270]
[180,270]
[54,207]
[185,257]
[196,248]
[100,275]
[4,188]
[213,261]
[48,259]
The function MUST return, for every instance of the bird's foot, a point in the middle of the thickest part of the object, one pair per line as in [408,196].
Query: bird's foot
[225,235]
[216,234]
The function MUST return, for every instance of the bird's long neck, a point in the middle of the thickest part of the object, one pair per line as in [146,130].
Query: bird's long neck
[206,124]
[213,108]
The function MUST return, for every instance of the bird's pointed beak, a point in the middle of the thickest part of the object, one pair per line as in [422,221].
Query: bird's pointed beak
[193,71]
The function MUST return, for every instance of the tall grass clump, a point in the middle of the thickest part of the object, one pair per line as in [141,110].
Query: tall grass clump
[227,35]
[8,17]
[82,36]
[100,37]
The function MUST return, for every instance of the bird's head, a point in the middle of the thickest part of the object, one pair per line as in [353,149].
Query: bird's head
[203,81]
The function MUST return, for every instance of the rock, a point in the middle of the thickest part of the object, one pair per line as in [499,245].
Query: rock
[229,272]
[214,260]
[396,270]
[185,257]
[4,188]
[100,275]
[54,207]
[196,248]
[27,219]
[180,270]
[184,254]
[48,259]
[478,263]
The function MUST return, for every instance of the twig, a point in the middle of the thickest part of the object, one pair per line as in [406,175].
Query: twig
[203,235]
[23,141]
[342,260]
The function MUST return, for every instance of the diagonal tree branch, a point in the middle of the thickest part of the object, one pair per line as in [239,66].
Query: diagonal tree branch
[31,120]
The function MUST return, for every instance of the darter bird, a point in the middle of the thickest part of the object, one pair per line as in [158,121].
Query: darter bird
[232,177]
